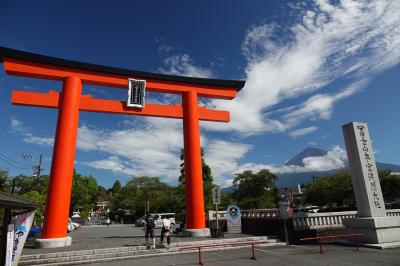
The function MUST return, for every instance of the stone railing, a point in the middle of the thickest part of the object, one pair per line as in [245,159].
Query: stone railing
[327,219]
[303,221]
[393,212]
[261,214]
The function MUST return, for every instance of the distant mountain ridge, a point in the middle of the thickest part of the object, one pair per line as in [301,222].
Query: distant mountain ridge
[292,179]
[309,152]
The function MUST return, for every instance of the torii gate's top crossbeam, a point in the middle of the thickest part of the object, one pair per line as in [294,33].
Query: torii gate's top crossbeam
[38,66]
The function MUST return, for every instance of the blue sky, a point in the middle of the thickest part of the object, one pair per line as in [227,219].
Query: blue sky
[310,68]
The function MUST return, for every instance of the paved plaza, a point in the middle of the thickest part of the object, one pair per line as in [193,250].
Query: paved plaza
[293,255]
[110,237]
[126,236]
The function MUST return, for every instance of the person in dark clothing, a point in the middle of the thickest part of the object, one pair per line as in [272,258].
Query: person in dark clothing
[149,225]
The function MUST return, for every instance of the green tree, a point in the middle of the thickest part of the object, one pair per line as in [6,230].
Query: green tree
[40,199]
[3,180]
[337,189]
[129,198]
[116,188]
[84,192]
[390,185]
[333,190]
[227,198]
[148,188]
[23,184]
[102,194]
[256,190]
[207,178]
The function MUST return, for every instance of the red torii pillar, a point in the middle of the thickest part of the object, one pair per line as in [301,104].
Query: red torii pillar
[71,101]
[62,167]
[195,218]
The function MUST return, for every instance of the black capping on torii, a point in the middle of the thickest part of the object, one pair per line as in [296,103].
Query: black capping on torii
[17,54]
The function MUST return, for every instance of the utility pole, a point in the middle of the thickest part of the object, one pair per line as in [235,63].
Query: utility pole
[37,169]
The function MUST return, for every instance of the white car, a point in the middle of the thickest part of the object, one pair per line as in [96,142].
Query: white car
[170,216]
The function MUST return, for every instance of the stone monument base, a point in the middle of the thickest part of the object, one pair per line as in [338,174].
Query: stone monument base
[376,230]
[197,232]
[53,242]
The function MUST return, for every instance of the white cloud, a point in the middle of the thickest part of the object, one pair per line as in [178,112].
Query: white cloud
[146,146]
[222,157]
[351,41]
[112,163]
[182,64]
[41,141]
[17,126]
[152,149]
[319,106]
[302,131]
[334,159]
[164,49]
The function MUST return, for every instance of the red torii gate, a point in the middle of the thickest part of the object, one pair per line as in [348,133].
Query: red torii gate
[70,101]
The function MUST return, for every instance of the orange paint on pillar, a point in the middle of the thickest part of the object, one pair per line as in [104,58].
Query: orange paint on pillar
[60,183]
[193,168]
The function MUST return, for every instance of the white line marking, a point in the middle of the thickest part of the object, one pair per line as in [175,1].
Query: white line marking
[301,247]
[267,251]
[221,256]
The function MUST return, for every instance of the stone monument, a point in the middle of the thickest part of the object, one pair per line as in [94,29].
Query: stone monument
[372,221]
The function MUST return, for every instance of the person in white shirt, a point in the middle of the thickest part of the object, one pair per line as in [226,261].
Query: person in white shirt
[166,230]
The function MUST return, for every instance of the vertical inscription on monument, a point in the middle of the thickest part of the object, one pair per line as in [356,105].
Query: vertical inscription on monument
[363,170]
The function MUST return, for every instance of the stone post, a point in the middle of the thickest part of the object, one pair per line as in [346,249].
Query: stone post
[372,221]
[366,185]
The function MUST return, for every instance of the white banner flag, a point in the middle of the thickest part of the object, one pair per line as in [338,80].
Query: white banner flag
[22,224]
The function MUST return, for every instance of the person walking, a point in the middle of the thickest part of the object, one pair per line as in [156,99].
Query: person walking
[166,230]
[149,225]
[108,221]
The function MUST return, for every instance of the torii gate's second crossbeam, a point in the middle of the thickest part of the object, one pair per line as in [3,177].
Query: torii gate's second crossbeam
[70,101]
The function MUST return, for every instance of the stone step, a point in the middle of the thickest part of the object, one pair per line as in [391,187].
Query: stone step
[141,247]
[78,260]
[109,254]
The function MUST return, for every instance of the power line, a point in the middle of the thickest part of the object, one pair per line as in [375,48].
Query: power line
[37,169]
[12,140]
[14,161]
[16,164]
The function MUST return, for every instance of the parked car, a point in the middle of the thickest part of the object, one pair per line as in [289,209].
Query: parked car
[140,221]
[158,219]
[309,209]
[170,216]
[35,231]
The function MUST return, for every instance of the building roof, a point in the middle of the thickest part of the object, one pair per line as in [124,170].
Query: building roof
[17,54]
[12,202]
